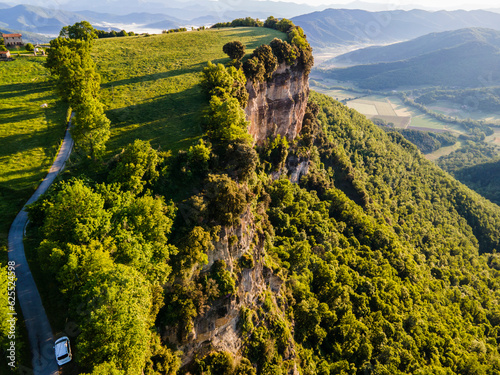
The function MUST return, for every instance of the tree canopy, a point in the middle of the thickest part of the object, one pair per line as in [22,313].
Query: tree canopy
[81,31]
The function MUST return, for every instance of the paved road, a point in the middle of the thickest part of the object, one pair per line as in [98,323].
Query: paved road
[37,324]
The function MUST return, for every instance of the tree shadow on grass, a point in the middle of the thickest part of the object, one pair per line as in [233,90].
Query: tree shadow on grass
[23,89]
[260,39]
[6,114]
[170,121]
[196,68]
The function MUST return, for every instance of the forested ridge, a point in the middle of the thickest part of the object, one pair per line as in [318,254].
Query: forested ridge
[387,265]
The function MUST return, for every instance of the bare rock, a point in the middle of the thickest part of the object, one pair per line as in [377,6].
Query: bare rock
[278,106]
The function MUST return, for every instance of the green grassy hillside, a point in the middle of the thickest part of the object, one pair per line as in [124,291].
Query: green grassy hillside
[29,134]
[150,84]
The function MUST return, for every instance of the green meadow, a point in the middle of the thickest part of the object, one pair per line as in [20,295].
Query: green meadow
[30,134]
[150,83]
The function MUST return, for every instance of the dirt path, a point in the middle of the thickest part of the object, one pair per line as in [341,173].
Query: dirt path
[38,326]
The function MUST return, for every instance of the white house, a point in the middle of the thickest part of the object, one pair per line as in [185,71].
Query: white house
[4,55]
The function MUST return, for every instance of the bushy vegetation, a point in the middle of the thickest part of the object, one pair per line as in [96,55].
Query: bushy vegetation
[179,30]
[475,164]
[263,62]
[113,33]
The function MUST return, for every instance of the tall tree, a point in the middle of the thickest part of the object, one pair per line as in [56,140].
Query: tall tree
[70,64]
[76,215]
[136,166]
[226,121]
[90,129]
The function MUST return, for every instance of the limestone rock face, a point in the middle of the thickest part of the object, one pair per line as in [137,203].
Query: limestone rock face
[217,329]
[278,106]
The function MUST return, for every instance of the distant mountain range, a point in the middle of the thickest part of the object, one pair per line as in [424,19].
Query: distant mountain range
[119,14]
[461,58]
[425,44]
[340,27]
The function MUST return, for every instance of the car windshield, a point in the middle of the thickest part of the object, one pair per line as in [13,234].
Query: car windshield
[63,356]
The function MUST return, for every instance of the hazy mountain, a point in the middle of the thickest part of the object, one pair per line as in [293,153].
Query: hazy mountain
[470,59]
[337,27]
[137,18]
[165,24]
[50,21]
[116,15]
[422,45]
[199,8]
[37,19]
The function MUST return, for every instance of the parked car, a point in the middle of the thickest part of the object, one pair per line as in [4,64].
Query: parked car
[62,350]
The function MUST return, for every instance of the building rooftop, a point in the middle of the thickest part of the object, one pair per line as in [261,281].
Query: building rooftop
[12,35]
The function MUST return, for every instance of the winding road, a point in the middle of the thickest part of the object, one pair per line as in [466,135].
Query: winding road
[38,326]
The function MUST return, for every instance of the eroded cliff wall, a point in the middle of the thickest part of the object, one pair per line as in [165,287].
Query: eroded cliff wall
[278,106]
[218,329]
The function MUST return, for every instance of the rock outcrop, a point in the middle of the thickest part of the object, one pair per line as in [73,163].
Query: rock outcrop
[218,328]
[278,106]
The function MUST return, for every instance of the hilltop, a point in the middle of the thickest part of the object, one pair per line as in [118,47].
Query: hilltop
[150,85]
[462,58]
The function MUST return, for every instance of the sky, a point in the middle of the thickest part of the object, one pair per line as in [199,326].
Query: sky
[391,4]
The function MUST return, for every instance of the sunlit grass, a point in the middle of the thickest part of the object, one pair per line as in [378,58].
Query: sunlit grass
[150,84]
[29,134]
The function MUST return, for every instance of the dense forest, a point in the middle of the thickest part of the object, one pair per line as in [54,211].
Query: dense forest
[385,264]
[477,165]
[425,141]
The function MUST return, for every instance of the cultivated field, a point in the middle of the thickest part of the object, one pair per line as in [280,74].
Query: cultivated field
[379,107]
[29,134]
[150,84]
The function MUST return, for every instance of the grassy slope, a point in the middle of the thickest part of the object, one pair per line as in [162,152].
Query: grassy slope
[29,135]
[150,84]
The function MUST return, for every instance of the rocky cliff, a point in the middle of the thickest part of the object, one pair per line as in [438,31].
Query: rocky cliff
[219,328]
[278,106]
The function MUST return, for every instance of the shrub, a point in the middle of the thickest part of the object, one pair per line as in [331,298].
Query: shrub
[227,201]
[254,70]
[284,51]
[266,57]
[235,50]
